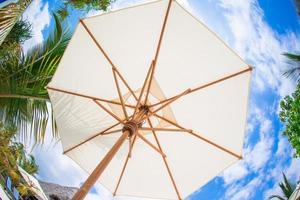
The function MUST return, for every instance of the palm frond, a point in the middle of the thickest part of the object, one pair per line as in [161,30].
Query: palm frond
[23,97]
[9,15]
[294,70]
[291,56]
[286,187]
[27,162]
[297,3]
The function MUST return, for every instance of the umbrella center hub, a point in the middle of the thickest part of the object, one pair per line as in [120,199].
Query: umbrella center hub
[131,127]
[137,121]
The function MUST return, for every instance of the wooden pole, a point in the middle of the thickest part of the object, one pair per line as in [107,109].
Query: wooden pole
[89,183]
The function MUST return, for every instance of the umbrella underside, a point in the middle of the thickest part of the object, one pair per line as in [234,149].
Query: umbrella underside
[185,109]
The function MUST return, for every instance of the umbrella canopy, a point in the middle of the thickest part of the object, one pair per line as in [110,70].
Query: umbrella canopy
[33,183]
[160,74]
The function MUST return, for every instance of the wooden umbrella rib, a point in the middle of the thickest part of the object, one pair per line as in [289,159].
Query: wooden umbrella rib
[129,145]
[97,43]
[162,101]
[125,165]
[92,137]
[221,79]
[167,120]
[121,176]
[110,132]
[150,144]
[165,161]
[109,112]
[106,56]
[120,94]
[205,85]
[158,47]
[143,88]
[89,97]
[165,129]
[150,81]
[171,101]
[162,31]
[216,145]
[126,84]
[201,137]
[134,140]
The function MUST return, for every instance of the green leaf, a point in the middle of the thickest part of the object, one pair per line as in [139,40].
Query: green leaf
[23,96]
[294,70]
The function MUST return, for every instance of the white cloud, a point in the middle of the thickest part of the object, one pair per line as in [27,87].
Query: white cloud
[255,40]
[234,173]
[38,15]
[60,169]
[283,147]
[125,3]
[293,171]
[259,155]
[57,168]
[256,156]
[243,192]
[247,191]
[275,190]
[262,47]
[187,5]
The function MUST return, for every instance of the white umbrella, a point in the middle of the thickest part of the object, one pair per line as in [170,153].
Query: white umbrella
[156,78]
[33,184]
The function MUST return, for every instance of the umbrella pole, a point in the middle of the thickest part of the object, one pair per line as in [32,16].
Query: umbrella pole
[89,183]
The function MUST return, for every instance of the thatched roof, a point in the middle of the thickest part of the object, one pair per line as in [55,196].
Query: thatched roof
[58,192]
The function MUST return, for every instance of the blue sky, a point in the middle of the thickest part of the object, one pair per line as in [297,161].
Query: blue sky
[258,30]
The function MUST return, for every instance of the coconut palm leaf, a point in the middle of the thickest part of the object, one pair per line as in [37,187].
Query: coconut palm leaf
[88,5]
[84,6]
[27,162]
[297,3]
[23,97]
[13,155]
[9,15]
[294,71]
[287,189]
[16,37]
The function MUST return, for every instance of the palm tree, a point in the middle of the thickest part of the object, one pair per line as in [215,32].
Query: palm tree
[12,44]
[9,15]
[294,59]
[12,154]
[27,162]
[83,5]
[297,3]
[23,97]
[294,71]
[287,189]
[90,4]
